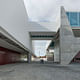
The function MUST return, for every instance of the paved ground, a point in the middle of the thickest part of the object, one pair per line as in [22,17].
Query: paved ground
[24,71]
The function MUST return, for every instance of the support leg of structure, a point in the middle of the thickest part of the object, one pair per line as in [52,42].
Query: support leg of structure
[28,57]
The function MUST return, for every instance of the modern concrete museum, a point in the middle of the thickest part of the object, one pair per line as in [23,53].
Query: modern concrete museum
[17,33]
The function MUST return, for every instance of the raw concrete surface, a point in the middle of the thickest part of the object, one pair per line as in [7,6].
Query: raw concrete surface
[24,71]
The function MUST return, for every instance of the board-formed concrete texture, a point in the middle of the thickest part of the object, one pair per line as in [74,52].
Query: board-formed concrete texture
[56,51]
[69,45]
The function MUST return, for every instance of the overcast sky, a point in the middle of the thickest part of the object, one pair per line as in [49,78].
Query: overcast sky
[40,47]
[48,10]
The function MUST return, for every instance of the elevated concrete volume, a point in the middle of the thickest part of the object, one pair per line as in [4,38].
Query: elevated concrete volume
[69,45]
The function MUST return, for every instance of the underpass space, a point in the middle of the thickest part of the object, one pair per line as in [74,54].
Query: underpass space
[40,50]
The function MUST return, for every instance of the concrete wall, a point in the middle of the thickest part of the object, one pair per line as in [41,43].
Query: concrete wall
[56,52]
[69,45]
[14,19]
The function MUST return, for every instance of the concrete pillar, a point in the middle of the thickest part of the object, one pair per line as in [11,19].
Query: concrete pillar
[56,52]
[66,39]
[28,57]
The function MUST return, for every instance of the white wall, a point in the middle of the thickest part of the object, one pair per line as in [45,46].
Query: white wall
[13,18]
[42,27]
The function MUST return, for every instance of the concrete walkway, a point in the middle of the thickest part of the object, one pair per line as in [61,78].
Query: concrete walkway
[24,71]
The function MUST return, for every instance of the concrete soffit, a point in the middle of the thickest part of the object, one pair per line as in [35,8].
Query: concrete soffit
[11,40]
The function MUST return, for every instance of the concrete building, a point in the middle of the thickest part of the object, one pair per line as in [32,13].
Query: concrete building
[67,40]
[17,33]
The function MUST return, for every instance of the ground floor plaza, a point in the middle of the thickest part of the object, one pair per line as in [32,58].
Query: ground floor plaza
[17,34]
[24,71]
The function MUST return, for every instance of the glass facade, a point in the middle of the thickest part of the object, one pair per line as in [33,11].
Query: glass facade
[42,36]
[52,44]
[74,18]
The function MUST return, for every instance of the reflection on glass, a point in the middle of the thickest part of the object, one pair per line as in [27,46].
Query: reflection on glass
[74,18]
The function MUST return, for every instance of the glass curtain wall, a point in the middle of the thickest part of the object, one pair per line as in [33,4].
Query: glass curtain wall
[74,18]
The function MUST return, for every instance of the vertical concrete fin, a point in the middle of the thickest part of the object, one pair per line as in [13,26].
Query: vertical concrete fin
[66,39]
[65,24]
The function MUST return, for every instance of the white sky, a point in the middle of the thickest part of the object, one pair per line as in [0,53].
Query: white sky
[48,10]
[40,47]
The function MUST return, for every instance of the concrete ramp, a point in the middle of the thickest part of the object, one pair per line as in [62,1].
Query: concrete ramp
[69,45]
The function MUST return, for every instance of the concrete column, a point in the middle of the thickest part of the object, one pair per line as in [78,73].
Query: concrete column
[28,57]
[56,52]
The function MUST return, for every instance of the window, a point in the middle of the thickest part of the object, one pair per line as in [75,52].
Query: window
[74,18]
